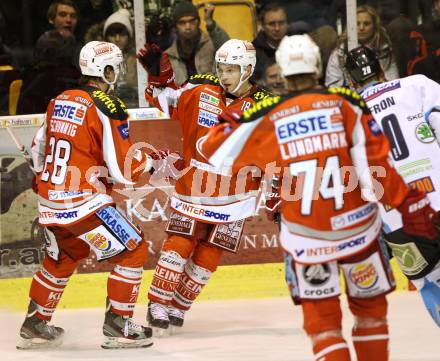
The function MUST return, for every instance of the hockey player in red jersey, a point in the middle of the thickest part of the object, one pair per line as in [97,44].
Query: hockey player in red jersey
[334,164]
[79,152]
[209,205]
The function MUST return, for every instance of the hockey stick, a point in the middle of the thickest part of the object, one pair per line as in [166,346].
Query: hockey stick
[21,148]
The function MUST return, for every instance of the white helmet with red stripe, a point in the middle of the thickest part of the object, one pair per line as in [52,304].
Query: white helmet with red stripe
[298,54]
[237,52]
[96,55]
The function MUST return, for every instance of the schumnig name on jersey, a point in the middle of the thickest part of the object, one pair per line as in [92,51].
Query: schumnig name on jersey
[58,126]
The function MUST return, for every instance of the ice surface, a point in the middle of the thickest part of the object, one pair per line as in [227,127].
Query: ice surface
[244,330]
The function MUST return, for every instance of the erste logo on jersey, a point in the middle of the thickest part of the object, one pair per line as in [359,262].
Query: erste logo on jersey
[207,119]
[306,124]
[69,111]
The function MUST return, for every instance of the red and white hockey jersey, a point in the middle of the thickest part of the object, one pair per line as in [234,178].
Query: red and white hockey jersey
[329,147]
[207,193]
[79,152]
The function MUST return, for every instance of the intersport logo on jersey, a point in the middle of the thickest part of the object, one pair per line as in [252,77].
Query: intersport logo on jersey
[328,251]
[191,210]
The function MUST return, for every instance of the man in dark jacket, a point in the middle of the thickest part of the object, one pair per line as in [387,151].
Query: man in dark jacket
[273,20]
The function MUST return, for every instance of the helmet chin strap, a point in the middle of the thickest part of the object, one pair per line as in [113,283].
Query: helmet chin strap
[241,82]
[111,83]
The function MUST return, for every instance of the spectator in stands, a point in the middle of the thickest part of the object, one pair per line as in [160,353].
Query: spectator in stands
[94,33]
[119,31]
[424,47]
[273,21]
[372,34]
[92,12]
[54,67]
[273,80]
[50,73]
[159,22]
[63,16]
[193,50]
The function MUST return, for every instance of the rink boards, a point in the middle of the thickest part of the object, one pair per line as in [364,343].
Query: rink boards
[260,273]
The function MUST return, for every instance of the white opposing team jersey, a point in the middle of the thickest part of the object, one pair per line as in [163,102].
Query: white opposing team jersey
[408,112]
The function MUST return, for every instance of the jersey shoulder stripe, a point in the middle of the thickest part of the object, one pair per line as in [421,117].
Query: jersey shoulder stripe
[260,108]
[203,79]
[351,96]
[110,105]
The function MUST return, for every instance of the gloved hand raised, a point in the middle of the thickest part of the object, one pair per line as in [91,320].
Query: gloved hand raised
[157,65]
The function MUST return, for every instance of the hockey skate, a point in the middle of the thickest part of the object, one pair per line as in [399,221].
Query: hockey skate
[176,316]
[123,332]
[36,333]
[157,318]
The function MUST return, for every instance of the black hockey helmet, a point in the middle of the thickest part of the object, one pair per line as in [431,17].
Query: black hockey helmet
[362,64]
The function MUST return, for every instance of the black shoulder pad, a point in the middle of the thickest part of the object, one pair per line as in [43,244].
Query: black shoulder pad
[350,95]
[260,94]
[259,109]
[110,105]
[203,79]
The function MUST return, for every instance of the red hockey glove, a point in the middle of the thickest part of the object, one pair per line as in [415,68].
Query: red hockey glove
[165,163]
[417,215]
[273,202]
[157,65]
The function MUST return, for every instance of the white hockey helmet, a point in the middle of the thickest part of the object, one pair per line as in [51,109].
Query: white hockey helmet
[298,54]
[237,52]
[96,55]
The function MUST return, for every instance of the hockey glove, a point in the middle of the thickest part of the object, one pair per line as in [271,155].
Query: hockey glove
[273,202]
[417,215]
[157,65]
[164,163]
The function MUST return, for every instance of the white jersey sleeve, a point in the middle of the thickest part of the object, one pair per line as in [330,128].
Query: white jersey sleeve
[407,111]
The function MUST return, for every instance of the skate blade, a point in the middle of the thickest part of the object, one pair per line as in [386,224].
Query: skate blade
[38,343]
[120,342]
